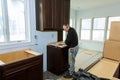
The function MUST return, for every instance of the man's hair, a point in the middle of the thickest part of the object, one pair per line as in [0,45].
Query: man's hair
[65,24]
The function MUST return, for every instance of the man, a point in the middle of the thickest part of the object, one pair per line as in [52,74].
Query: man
[72,42]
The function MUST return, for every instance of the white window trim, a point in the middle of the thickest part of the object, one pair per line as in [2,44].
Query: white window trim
[31,28]
[86,29]
[105,29]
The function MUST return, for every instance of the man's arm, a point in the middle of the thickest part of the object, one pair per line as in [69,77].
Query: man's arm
[60,43]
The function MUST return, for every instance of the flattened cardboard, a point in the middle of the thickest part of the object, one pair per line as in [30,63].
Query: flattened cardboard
[112,50]
[115,31]
[105,68]
[115,78]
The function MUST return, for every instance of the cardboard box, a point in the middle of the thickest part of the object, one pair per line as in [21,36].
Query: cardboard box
[115,78]
[105,68]
[112,50]
[108,67]
[115,31]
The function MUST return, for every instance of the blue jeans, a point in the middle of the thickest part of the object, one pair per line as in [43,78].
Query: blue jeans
[71,59]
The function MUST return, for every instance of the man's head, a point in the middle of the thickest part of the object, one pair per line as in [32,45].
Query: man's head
[66,27]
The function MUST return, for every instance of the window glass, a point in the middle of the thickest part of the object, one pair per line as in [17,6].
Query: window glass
[98,35]
[71,24]
[1,24]
[86,23]
[64,35]
[99,23]
[16,17]
[85,34]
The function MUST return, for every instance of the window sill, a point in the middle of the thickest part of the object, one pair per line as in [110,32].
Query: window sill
[15,45]
[92,41]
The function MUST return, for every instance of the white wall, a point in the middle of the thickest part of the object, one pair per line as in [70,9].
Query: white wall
[101,12]
[39,44]
[72,13]
[92,45]
[43,38]
[73,17]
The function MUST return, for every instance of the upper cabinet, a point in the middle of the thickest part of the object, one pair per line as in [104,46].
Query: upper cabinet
[51,14]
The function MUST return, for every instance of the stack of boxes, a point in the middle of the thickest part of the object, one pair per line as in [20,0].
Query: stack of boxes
[108,66]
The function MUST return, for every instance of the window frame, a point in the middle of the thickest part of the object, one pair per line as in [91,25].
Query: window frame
[30,19]
[6,23]
[85,29]
[106,29]
[98,29]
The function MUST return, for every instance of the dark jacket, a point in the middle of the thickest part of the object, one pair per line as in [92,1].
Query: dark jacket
[72,38]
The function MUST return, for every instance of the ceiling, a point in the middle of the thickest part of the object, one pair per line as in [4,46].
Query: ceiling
[91,4]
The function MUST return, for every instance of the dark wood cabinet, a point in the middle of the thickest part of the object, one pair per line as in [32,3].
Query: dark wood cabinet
[26,69]
[57,59]
[47,14]
[51,15]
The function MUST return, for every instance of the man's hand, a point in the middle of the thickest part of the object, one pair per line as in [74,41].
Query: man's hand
[71,50]
[59,43]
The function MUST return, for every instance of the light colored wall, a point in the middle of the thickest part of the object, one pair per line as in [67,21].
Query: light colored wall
[91,45]
[39,44]
[43,38]
[73,17]
[72,13]
[101,12]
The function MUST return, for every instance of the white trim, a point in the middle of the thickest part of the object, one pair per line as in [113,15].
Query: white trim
[5,20]
[15,45]
[105,29]
[92,41]
[31,27]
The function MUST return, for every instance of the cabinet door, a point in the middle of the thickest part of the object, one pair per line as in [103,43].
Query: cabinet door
[47,14]
[38,9]
[57,59]
[43,15]
[21,75]
[56,14]
[60,13]
[35,72]
[65,15]
[51,14]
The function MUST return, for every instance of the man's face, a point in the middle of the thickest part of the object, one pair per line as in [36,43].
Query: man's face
[65,27]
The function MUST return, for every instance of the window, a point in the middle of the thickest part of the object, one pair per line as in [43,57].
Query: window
[98,29]
[16,20]
[13,21]
[110,19]
[85,29]
[71,22]
[98,35]
[1,24]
